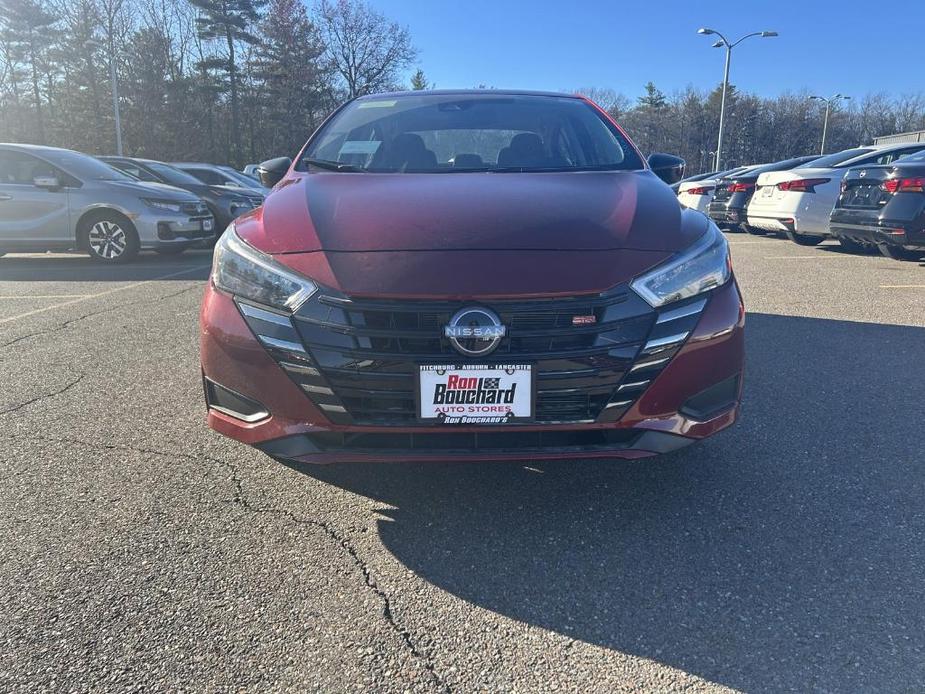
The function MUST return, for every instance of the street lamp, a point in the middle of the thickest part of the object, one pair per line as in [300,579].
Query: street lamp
[828,104]
[723,41]
[115,92]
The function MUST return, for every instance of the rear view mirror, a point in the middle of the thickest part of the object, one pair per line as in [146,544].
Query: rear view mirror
[667,167]
[49,181]
[272,171]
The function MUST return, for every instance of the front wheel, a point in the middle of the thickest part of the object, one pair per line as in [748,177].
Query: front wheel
[110,238]
[898,252]
[805,239]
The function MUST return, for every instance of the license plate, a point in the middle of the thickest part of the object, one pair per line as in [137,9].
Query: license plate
[475,394]
[207,225]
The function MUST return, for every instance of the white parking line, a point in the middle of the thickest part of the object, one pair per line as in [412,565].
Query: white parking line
[814,257]
[87,297]
[42,296]
[902,286]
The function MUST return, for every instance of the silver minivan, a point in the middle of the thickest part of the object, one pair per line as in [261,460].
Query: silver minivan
[55,199]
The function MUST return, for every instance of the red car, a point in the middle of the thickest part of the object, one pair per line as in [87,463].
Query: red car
[472,276]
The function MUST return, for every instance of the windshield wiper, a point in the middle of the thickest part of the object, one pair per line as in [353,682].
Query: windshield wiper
[329,165]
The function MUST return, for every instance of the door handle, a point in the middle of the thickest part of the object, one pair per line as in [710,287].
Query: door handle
[5,197]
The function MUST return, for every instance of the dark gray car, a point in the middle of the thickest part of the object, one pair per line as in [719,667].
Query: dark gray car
[225,202]
[56,199]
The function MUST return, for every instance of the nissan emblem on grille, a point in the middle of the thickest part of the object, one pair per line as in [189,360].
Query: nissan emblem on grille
[475,332]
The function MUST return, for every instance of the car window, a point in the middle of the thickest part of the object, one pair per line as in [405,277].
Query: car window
[213,178]
[916,157]
[899,153]
[446,133]
[830,160]
[886,157]
[19,168]
[172,174]
[135,171]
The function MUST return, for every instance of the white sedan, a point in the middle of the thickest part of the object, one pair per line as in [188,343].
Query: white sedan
[697,192]
[798,202]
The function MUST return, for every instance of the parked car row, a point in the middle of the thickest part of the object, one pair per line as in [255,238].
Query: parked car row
[868,198]
[55,199]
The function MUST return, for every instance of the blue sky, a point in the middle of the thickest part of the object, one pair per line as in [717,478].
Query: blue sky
[562,44]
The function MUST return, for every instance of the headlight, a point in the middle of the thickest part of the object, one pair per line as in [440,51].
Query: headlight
[703,266]
[244,271]
[168,205]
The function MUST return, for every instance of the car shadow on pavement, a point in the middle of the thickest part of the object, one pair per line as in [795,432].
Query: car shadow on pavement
[786,553]
[72,267]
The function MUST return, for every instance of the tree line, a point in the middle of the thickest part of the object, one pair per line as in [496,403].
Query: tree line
[757,129]
[238,81]
[230,81]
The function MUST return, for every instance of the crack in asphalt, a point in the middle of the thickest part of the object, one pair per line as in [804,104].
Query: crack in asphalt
[71,321]
[240,498]
[43,396]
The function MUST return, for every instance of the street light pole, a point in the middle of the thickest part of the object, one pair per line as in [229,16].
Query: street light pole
[722,105]
[91,44]
[722,108]
[825,122]
[115,104]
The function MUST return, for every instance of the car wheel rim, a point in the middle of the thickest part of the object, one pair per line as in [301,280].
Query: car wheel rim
[107,240]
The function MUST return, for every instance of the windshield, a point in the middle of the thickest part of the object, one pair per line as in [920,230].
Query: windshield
[84,166]
[172,175]
[452,133]
[244,180]
[831,160]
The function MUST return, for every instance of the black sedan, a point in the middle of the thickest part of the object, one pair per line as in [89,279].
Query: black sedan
[733,193]
[225,203]
[884,206]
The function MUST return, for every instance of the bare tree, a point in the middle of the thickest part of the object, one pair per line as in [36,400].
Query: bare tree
[367,50]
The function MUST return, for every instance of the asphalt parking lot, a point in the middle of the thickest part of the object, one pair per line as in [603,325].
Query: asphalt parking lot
[139,550]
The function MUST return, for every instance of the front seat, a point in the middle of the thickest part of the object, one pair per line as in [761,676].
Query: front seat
[526,149]
[408,151]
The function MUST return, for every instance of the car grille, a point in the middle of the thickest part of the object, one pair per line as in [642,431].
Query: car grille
[358,359]
[194,209]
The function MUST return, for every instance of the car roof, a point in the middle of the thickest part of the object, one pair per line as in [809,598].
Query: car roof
[38,149]
[467,92]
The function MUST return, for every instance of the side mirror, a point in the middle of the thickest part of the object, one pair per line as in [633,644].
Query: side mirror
[272,171]
[667,167]
[49,181]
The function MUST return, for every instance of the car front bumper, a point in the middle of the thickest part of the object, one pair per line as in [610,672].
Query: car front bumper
[159,229]
[287,424]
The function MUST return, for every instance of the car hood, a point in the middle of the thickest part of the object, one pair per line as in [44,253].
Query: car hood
[161,190]
[467,235]
[474,211]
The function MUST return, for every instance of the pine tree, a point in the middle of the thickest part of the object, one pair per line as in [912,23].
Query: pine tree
[28,32]
[419,81]
[653,97]
[289,75]
[229,21]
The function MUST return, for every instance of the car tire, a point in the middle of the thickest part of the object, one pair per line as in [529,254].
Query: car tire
[170,250]
[854,246]
[898,252]
[805,239]
[109,237]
